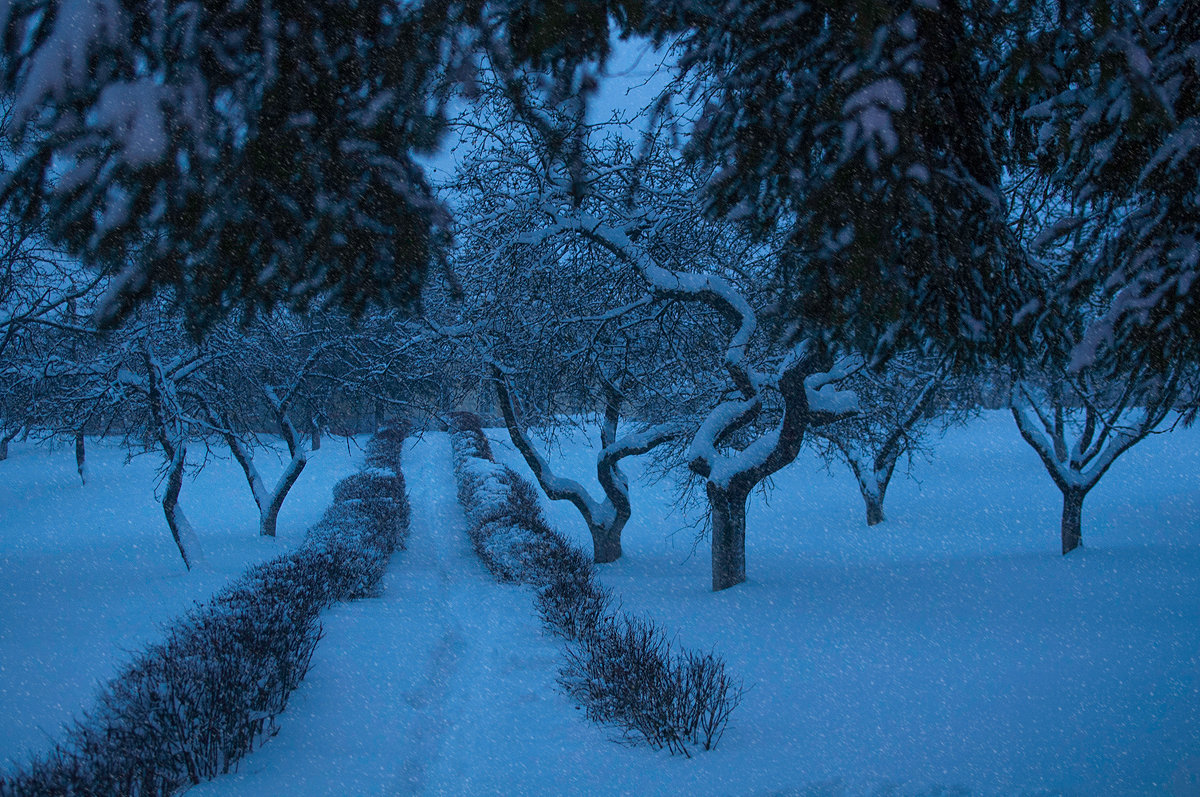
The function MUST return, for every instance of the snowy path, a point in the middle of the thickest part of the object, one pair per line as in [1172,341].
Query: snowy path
[415,691]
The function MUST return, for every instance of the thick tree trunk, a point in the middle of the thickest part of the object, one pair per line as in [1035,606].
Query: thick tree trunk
[316,436]
[268,522]
[606,545]
[80,457]
[1072,520]
[728,508]
[606,538]
[874,509]
[3,448]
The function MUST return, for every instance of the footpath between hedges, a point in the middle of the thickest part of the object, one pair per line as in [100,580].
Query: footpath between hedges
[414,691]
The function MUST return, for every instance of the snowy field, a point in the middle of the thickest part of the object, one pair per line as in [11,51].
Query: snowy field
[89,573]
[951,647]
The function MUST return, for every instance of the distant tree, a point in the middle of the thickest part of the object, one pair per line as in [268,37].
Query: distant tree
[280,373]
[1079,423]
[262,375]
[607,517]
[141,381]
[1080,414]
[899,405]
[563,332]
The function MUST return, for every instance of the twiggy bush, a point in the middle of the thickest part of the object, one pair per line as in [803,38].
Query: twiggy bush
[573,604]
[627,674]
[623,670]
[190,707]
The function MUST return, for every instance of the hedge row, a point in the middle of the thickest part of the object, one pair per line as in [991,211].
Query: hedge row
[623,670]
[190,707]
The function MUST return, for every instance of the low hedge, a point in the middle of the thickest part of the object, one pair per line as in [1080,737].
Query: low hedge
[624,670]
[190,707]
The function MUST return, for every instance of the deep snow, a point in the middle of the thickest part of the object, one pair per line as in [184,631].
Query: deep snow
[88,574]
[950,646]
[403,686]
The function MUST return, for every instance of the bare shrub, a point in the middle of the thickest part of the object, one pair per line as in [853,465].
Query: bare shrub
[628,675]
[623,670]
[572,605]
[190,707]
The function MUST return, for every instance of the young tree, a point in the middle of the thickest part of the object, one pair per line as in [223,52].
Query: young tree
[268,373]
[268,500]
[268,368]
[1079,424]
[170,422]
[897,406]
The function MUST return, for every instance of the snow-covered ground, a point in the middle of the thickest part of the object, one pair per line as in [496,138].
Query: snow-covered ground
[950,646]
[88,574]
[416,692]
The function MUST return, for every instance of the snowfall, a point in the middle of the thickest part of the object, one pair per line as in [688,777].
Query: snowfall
[949,650]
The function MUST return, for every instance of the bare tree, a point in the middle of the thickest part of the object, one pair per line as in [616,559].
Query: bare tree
[898,405]
[606,518]
[268,500]
[170,426]
[1079,425]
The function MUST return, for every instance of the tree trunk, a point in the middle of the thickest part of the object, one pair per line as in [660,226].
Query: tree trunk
[270,512]
[874,509]
[8,436]
[872,486]
[728,509]
[268,522]
[606,539]
[181,529]
[80,457]
[316,436]
[606,545]
[1072,520]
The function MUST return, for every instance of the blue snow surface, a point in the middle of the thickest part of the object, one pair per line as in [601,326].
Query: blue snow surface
[950,650]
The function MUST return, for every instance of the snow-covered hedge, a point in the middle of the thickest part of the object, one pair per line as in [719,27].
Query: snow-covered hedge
[384,447]
[622,669]
[190,707]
